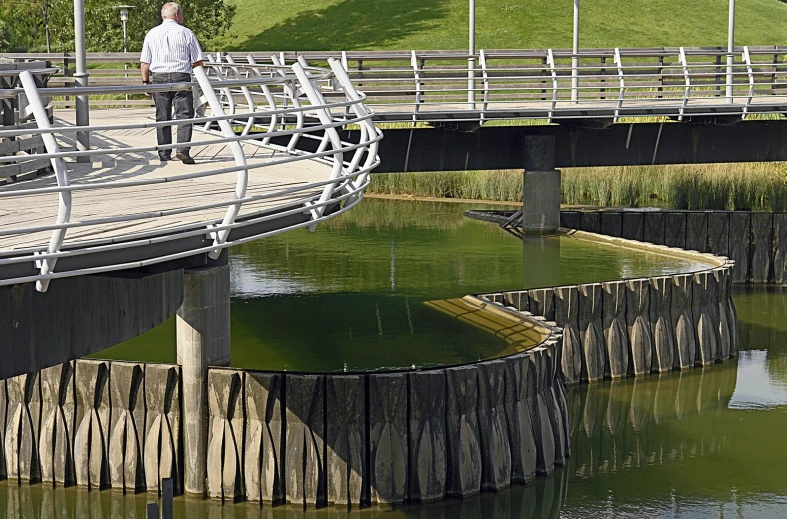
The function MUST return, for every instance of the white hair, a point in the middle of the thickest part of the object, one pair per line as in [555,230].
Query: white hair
[170,10]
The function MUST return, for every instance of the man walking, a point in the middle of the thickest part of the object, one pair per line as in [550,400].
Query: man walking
[169,53]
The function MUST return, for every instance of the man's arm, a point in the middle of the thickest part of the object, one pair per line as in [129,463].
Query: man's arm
[197,64]
[145,72]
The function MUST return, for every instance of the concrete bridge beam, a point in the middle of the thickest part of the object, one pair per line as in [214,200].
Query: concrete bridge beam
[541,186]
[203,337]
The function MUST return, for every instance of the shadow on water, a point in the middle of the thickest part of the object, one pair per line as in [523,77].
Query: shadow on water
[540,500]
[352,24]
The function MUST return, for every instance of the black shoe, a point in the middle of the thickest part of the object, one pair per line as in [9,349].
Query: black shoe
[164,158]
[184,158]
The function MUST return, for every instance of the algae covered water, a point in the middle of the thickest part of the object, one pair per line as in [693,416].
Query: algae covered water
[707,443]
[350,295]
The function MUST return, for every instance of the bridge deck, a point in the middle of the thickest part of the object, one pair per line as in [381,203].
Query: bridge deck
[41,209]
[434,109]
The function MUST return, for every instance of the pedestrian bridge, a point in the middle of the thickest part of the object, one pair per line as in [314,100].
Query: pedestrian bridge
[114,206]
[271,152]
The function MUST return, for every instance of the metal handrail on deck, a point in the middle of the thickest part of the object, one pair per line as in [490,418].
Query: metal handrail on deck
[412,86]
[271,94]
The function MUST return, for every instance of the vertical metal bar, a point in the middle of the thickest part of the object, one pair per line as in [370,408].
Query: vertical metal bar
[603,80]
[166,498]
[551,62]
[485,73]
[622,80]
[417,77]
[237,153]
[152,511]
[687,79]
[471,60]
[750,72]
[661,75]
[82,107]
[59,165]
[730,50]
[575,55]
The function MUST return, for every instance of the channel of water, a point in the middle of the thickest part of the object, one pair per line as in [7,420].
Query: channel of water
[703,443]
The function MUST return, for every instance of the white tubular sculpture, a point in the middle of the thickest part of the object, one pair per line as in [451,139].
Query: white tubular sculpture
[165,213]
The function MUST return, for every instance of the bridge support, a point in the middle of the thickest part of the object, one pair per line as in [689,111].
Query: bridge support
[541,186]
[203,331]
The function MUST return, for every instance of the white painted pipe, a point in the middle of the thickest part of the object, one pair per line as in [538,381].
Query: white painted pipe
[575,57]
[730,50]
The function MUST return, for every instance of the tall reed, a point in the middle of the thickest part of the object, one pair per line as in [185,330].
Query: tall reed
[751,186]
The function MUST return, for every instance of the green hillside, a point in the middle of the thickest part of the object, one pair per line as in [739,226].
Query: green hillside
[442,24]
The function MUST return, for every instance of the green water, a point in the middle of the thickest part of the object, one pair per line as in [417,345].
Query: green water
[708,443]
[350,294]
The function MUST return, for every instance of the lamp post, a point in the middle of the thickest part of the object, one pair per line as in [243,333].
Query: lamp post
[730,50]
[471,59]
[124,18]
[575,57]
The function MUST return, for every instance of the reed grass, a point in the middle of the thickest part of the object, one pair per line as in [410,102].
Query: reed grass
[750,186]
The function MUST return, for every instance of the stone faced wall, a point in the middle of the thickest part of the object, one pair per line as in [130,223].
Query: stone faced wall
[386,438]
[635,327]
[756,242]
[349,439]
[93,423]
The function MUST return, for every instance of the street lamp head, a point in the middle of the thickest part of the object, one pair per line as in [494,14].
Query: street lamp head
[123,11]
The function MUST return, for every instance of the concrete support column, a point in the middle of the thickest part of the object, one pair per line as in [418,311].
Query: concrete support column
[203,330]
[541,186]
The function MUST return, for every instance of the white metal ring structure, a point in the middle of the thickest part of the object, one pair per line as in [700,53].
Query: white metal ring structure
[288,167]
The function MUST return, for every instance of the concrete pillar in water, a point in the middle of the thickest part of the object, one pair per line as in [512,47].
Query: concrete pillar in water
[203,330]
[541,186]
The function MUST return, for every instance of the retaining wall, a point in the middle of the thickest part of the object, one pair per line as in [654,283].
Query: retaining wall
[313,439]
[638,326]
[756,242]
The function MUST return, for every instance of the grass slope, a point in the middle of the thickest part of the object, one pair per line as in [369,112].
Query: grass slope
[501,24]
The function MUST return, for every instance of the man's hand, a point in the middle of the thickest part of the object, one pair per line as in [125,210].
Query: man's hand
[145,67]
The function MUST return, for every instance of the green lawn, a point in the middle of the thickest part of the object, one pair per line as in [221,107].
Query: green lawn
[501,24]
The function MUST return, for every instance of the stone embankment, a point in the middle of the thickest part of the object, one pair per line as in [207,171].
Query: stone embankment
[360,439]
[756,242]
[350,439]
[638,326]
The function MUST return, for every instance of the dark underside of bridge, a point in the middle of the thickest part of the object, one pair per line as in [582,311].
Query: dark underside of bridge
[581,145]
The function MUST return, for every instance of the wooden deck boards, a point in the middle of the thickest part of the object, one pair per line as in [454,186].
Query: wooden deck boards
[41,209]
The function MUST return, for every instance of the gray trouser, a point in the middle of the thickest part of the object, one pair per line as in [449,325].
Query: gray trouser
[182,100]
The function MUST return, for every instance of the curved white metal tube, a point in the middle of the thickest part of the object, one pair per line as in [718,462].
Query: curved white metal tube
[237,153]
[324,115]
[59,165]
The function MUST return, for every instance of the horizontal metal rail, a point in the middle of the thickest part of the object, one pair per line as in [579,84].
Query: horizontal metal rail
[249,208]
[412,86]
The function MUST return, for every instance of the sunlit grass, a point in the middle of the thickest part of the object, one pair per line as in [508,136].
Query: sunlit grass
[751,186]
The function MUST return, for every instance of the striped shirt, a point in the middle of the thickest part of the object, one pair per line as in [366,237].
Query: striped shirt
[170,47]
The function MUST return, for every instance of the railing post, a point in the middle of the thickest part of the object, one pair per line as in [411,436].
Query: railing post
[323,114]
[82,107]
[58,164]
[237,152]
[750,73]
[687,79]
[622,86]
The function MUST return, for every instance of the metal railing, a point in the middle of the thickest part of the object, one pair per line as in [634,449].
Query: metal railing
[283,111]
[407,86]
